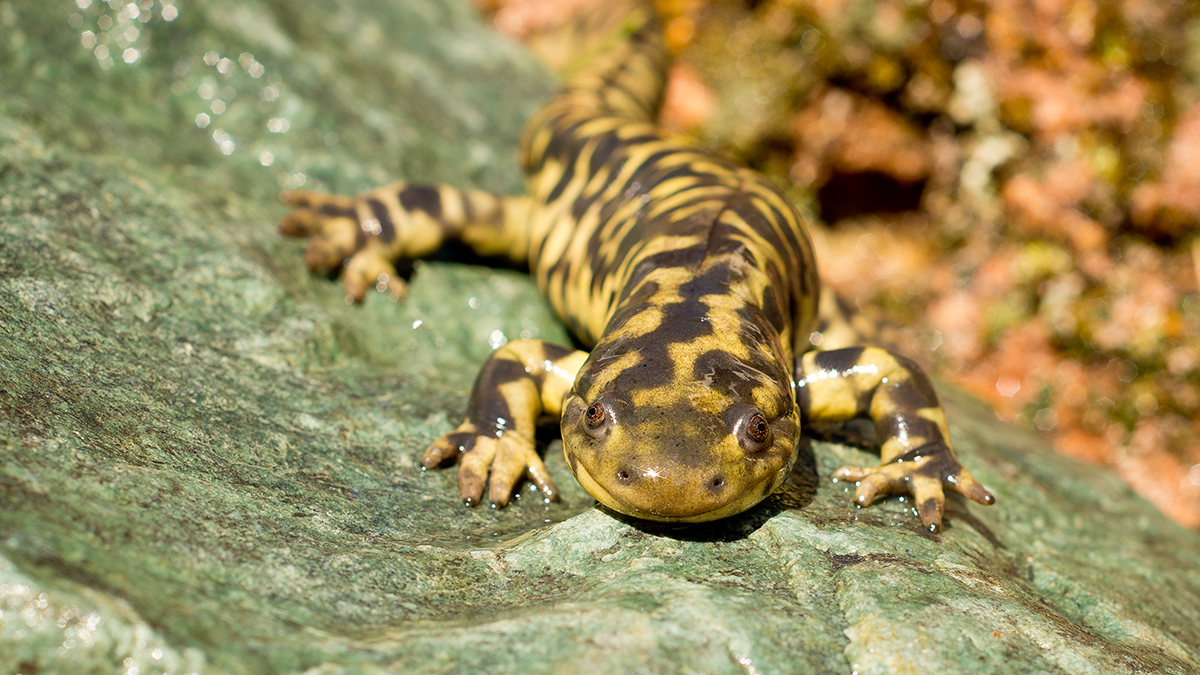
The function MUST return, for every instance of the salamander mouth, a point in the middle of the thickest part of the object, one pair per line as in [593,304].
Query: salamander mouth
[739,501]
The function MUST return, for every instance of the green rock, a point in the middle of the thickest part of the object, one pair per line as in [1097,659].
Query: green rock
[208,461]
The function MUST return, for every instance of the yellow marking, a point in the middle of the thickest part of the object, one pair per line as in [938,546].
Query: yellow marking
[898,445]
[832,399]
[681,202]
[523,401]
[609,372]
[417,234]
[509,236]
[451,204]
[560,377]
[938,417]
[576,250]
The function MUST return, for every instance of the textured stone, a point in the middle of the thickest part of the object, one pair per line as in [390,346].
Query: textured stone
[208,460]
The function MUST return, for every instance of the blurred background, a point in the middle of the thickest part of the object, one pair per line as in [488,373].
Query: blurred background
[1013,184]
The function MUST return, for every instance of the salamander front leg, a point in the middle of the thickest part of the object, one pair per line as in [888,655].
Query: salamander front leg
[358,238]
[494,446]
[916,455]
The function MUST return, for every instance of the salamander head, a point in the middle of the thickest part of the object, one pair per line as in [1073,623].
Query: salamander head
[699,435]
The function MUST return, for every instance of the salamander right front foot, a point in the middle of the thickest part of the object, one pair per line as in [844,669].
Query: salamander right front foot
[497,460]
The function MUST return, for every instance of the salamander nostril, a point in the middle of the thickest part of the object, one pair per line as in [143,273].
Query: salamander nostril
[717,482]
[623,474]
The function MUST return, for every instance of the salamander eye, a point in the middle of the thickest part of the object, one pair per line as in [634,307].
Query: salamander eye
[753,431]
[594,416]
[757,429]
[598,418]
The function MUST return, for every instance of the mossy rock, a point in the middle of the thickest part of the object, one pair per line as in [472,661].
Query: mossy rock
[208,460]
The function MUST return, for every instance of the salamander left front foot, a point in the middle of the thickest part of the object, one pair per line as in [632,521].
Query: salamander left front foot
[923,473]
[342,241]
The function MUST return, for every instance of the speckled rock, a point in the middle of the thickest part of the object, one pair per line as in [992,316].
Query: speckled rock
[208,460]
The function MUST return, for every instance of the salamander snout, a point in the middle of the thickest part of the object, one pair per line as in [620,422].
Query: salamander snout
[629,476]
[668,492]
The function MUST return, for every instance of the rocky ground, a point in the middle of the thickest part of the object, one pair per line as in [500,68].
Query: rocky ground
[208,461]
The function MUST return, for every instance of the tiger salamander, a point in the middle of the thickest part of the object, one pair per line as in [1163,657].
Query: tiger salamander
[693,282]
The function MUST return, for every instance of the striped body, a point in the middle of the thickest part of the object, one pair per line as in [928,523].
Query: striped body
[690,278]
[694,285]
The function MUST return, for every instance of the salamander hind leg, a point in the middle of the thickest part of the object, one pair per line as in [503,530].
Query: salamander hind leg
[359,238]
[917,458]
[494,446]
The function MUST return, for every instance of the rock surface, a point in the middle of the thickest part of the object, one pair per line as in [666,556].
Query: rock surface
[208,461]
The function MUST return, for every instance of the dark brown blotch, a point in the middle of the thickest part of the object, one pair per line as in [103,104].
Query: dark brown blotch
[839,360]
[919,392]
[928,510]
[487,405]
[334,210]
[726,374]
[387,231]
[910,424]
[564,180]
[425,198]
[604,150]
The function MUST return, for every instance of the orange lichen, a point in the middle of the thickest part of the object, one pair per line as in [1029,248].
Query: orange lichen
[688,102]
[1171,205]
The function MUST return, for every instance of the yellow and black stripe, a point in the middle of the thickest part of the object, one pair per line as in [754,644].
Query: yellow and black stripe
[693,283]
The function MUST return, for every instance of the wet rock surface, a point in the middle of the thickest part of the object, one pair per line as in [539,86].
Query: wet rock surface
[208,460]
